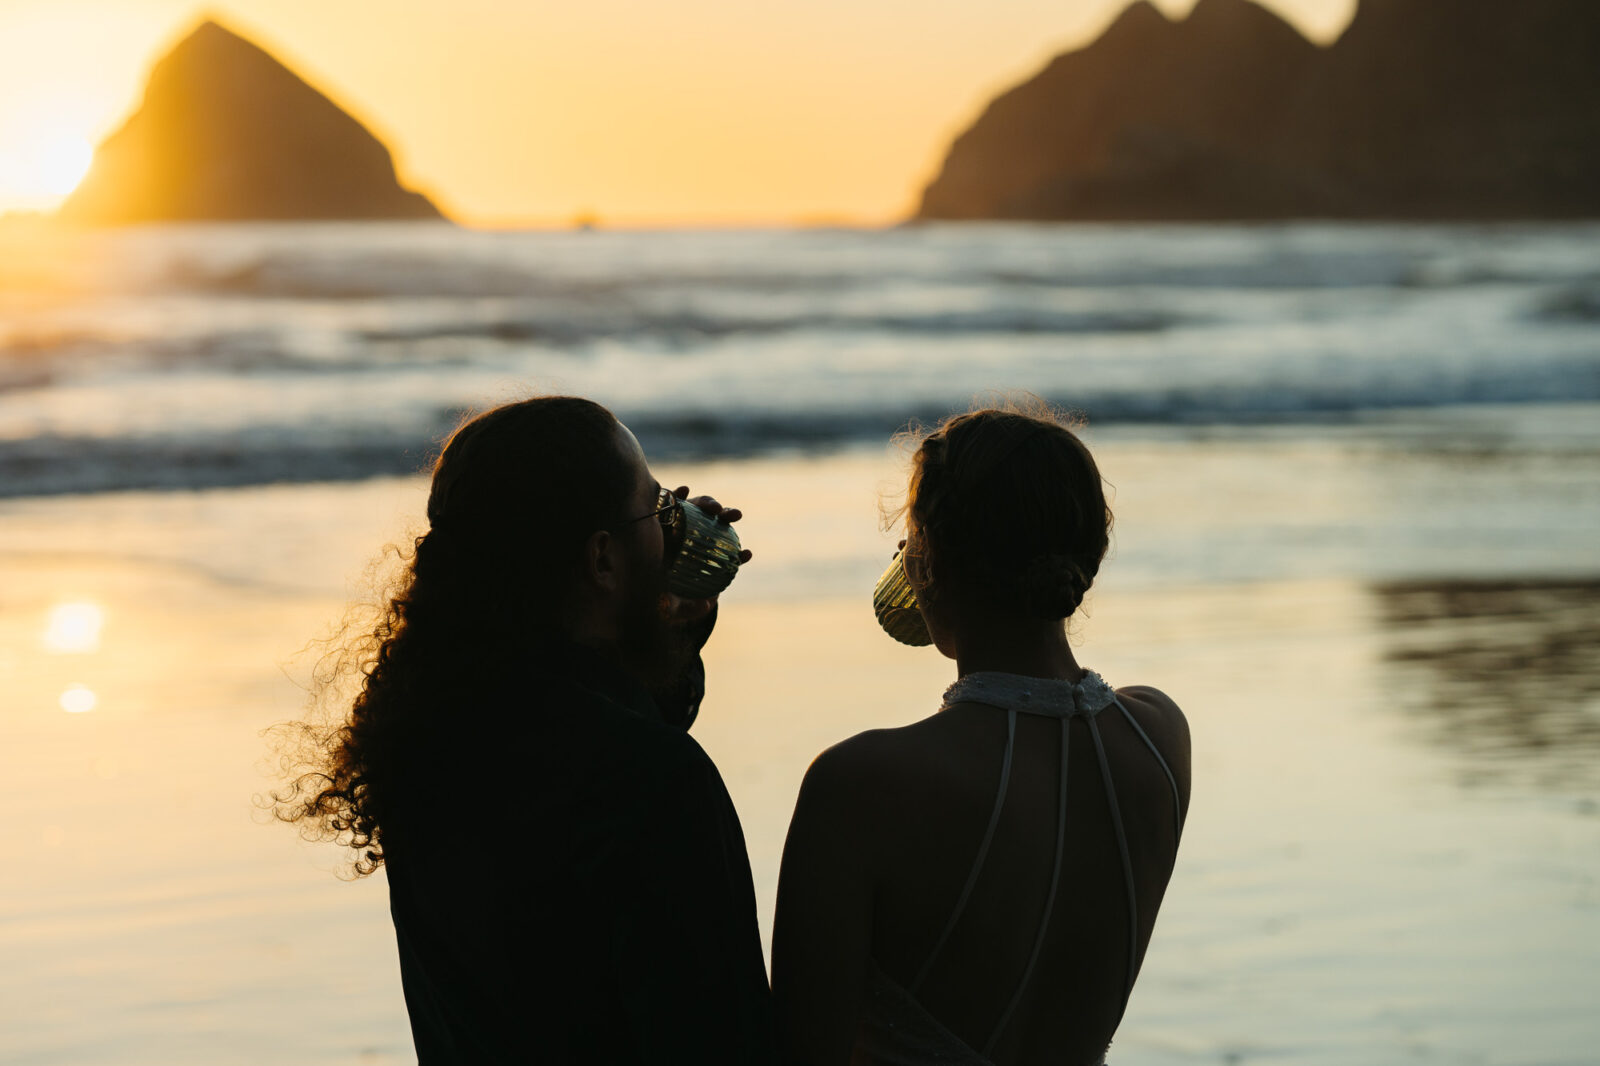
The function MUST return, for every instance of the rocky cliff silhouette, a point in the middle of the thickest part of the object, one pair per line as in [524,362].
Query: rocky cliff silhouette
[228,132]
[1421,109]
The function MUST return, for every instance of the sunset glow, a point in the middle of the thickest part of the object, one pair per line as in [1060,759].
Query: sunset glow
[78,699]
[40,172]
[74,628]
[710,111]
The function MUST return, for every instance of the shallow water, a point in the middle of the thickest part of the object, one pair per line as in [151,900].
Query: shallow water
[1382,634]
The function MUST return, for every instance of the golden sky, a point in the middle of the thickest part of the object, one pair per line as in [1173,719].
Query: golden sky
[533,112]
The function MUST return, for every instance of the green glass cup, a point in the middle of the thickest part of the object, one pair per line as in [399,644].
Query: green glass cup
[894,601]
[707,560]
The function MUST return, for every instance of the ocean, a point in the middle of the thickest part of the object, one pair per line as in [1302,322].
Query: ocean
[1356,477]
[215,355]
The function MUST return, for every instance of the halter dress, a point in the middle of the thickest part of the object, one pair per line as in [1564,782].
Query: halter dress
[896,1029]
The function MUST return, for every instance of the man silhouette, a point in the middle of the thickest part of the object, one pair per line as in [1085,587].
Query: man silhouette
[567,875]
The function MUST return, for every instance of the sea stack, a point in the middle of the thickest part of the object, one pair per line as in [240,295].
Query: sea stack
[1439,109]
[1471,109]
[226,132]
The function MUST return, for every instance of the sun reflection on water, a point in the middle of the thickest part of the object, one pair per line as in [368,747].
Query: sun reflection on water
[74,628]
[77,699]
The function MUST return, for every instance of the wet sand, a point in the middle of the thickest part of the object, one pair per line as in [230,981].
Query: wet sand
[1391,854]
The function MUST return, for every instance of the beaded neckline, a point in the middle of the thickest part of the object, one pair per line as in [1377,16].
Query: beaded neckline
[1087,696]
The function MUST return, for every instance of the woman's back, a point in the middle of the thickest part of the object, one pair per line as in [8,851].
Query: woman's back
[936,788]
[905,813]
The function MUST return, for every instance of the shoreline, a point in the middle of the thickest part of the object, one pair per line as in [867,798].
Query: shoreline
[1386,849]
[114,467]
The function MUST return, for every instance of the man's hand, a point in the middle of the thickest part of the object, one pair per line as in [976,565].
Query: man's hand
[726,515]
[682,612]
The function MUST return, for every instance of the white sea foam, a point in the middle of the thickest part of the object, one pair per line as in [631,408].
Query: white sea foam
[210,355]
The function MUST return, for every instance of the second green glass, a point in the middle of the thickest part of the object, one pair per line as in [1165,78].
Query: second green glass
[894,601]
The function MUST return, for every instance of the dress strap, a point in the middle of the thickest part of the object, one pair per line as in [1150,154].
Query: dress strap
[1050,899]
[1062,700]
[983,853]
[1127,862]
[1177,801]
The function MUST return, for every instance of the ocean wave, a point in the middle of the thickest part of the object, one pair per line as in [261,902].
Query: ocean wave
[290,276]
[344,279]
[574,327]
[51,464]
[239,355]
[379,263]
[32,360]
[1573,304]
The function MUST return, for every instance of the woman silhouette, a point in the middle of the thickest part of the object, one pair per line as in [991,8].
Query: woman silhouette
[980,886]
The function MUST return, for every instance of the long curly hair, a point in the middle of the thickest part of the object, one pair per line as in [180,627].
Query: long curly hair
[1007,498]
[515,494]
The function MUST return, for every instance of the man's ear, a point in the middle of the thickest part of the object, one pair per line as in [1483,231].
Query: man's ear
[600,561]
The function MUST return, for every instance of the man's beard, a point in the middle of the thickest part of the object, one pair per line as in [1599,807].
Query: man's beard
[654,650]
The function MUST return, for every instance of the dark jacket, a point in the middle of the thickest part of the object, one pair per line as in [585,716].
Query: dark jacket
[588,897]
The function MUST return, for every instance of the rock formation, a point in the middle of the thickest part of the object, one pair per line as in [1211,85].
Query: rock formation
[1456,109]
[1422,109]
[228,132]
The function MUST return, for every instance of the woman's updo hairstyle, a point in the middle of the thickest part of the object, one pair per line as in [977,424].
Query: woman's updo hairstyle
[1008,503]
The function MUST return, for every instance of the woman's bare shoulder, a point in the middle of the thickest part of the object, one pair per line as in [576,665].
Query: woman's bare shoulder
[1159,715]
[841,809]
[865,757]
[1155,704]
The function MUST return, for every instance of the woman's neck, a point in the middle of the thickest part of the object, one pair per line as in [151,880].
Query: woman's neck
[1033,649]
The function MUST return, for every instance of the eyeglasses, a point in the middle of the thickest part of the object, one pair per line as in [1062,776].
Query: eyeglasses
[669,510]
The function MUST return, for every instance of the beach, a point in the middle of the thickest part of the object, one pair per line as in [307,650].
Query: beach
[1356,479]
[1383,863]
